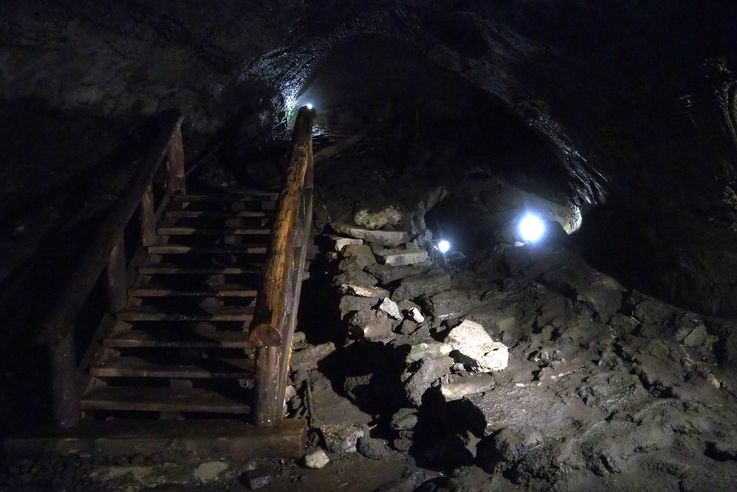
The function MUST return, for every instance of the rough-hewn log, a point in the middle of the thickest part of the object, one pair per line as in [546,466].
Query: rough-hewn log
[115,273]
[58,324]
[64,397]
[271,327]
[175,162]
[148,217]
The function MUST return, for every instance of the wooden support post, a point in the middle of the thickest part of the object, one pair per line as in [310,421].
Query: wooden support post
[64,397]
[175,163]
[116,284]
[148,217]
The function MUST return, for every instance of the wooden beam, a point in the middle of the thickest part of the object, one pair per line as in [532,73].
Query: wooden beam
[175,162]
[115,273]
[148,217]
[64,396]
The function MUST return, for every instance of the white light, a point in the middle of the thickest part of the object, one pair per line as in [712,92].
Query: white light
[531,228]
[309,105]
[443,246]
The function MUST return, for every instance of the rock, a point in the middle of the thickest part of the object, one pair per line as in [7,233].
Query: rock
[210,471]
[309,358]
[354,276]
[299,338]
[372,448]
[316,459]
[388,274]
[509,444]
[343,439]
[432,350]
[369,324]
[257,478]
[358,255]
[418,381]
[390,307]
[451,304]
[471,385]
[350,304]
[404,419]
[401,257]
[385,238]
[415,315]
[388,216]
[339,243]
[363,290]
[471,340]
[407,327]
[425,284]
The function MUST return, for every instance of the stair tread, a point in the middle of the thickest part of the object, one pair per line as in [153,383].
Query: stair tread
[214,214]
[207,231]
[228,197]
[124,367]
[226,290]
[151,313]
[167,269]
[184,249]
[161,400]
[178,338]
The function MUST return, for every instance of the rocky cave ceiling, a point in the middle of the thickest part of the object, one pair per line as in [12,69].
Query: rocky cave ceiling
[633,102]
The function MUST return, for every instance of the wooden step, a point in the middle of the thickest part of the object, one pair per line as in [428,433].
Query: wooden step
[180,249]
[226,197]
[164,269]
[146,399]
[136,367]
[204,214]
[178,338]
[150,313]
[197,231]
[219,291]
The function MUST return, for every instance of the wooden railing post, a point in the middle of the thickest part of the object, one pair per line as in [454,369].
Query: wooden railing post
[148,217]
[175,163]
[64,397]
[116,284]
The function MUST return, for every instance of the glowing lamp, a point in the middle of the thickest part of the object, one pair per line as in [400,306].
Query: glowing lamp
[309,106]
[443,246]
[531,228]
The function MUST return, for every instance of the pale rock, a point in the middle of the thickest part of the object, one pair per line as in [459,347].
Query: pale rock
[388,216]
[415,315]
[385,238]
[341,242]
[471,385]
[433,350]
[210,471]
[471,340]
[316,459]
[370,324]
[363,290]
[390,307]
[401,257]
[357,255]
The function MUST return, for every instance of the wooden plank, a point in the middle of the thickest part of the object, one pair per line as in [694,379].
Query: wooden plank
[225,197]
[197,440]
[147,399]
[116,277]
[180,249]
[270,326]
[178,338]
[205,214]
[136,367]
[148,217]
[149,313]
[219,291]
[175,162]
[77,290]
[164,269]
[203,231]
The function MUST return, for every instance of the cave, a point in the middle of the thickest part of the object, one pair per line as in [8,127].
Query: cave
[368,245]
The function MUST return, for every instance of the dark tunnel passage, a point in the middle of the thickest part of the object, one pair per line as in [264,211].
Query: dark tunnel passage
[504,233]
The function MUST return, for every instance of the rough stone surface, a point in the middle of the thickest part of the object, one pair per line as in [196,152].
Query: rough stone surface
[471,340]
[341,242]
[429,350]
[316,459]
[417,380]
[363,290]
[401,257]
[425,284]
[308,358]
[369,324]
[388,274]
[384,238]
[457,388]
[390,308]
[358,255]
[349,304]
[388,216]
[372,448]
[210,471]
[354,276]
[451,304]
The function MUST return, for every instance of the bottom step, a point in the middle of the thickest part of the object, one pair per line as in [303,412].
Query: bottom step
[146,399]
[192,439]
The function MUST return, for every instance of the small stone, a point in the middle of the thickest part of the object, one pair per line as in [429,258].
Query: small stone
[341,242]
[401,257]
[350,304]
[433,350]
[402,445]
[255,479]
[385,238]
[299,338]
[342,439]
[363,290]
[359,255]
[210,471]
[369,324]
[471,340]
[471,385]
[372,448]
[404,419]
[417,382]
[390,307]
[407,327]
[415,315]
[316,459]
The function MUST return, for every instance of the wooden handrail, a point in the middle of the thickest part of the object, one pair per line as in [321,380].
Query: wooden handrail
[274,317]
[106,250]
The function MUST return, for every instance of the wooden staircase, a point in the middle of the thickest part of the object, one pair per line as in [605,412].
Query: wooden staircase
[179,345]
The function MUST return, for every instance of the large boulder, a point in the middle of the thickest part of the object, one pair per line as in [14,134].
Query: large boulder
[425,284]
[418,378]
[472,341]
[387,216]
